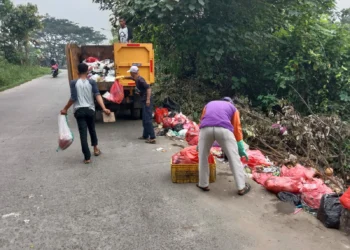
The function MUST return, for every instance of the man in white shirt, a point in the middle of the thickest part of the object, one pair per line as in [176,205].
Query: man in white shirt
[83,95]
[125,33]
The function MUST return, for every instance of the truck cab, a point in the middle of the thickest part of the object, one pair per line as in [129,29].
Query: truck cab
[124,56]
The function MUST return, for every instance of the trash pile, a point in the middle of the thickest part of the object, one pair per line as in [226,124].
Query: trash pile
[176,125]
[100,71]
[315,141]
[301,149]
[299,186]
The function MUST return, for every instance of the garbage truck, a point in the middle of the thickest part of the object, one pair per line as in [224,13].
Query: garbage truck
[124,56]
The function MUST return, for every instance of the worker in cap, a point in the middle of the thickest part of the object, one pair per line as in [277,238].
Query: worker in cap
[144,89]
[220,122]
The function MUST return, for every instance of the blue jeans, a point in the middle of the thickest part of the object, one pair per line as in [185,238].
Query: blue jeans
[148,130]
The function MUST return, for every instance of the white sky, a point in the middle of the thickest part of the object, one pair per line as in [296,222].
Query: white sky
[342,4]
[82,12]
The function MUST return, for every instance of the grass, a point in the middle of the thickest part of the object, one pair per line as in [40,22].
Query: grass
[13,75]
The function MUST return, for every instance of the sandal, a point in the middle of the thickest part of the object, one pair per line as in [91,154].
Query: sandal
[245,190]
[97,152]
[205,189]
[151,141]
[142,138]
[87,161]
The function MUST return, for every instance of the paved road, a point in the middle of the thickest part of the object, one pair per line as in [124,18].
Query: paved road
[125,199]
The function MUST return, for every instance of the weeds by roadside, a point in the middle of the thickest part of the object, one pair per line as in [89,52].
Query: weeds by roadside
[13,75]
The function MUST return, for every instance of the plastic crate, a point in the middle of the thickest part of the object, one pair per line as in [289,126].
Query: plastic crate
[189,173]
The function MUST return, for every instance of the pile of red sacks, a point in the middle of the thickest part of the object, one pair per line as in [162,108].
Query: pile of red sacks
[189,155]
[298,180]
[162,116]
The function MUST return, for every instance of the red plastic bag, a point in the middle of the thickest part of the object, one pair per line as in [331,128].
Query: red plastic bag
[277,184]
[91,59]
[256,158]
[116,93]
[345,199]
[167,121]
[179,119]
[312,192]
[194,141]
[261,178]
[298,172]
[192,135]
[188,124]
[160,113]
[189,155]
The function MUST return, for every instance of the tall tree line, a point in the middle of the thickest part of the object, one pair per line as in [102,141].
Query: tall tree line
[267,50]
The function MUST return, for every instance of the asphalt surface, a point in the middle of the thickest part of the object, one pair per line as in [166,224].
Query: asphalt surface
[125,198]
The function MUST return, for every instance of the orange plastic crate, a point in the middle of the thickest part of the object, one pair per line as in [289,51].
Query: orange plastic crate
[189,173]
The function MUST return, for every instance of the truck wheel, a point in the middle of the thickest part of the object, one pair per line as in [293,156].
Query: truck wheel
[136,114]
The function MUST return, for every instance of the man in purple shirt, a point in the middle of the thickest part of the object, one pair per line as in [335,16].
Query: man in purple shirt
[221,122]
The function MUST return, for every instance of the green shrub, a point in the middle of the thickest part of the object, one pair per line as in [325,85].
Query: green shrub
[12,75]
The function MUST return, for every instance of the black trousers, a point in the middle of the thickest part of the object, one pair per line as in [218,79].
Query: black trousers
[86,121]
[148,130]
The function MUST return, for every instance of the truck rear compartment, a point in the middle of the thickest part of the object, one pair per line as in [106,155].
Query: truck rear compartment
[124,56]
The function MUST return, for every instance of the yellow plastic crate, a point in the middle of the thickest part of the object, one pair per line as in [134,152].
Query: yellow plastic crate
[189,173]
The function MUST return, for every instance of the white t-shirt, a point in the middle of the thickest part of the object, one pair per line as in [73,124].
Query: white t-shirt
[123,35]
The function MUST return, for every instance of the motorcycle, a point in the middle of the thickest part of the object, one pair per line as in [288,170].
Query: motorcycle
[54,70]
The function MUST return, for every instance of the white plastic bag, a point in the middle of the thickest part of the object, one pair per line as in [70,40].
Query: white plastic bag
[66,137]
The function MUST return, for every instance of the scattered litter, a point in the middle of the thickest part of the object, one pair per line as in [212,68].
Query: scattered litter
[31,196]
[298,210]
[26,221]
[16,215]
[247,170]
[217,152]
[160,150]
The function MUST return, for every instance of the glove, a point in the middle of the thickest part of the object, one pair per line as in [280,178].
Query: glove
[241,149]
[120,77]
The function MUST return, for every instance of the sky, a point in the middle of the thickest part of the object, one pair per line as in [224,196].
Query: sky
[86,13]
[82,12]
[342,4]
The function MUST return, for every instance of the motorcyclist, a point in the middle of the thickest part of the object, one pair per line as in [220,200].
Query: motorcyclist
[53,62]
[54,67]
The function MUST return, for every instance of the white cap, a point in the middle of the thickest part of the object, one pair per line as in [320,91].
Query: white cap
[133,69]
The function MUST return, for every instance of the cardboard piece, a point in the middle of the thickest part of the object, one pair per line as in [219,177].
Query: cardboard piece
[110,118]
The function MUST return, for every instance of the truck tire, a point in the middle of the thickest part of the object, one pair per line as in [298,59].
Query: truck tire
[136,114]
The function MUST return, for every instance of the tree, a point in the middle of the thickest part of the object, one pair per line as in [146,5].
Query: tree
[18,25]
[6,7]
[264,49]
[56,33]
[345,16]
